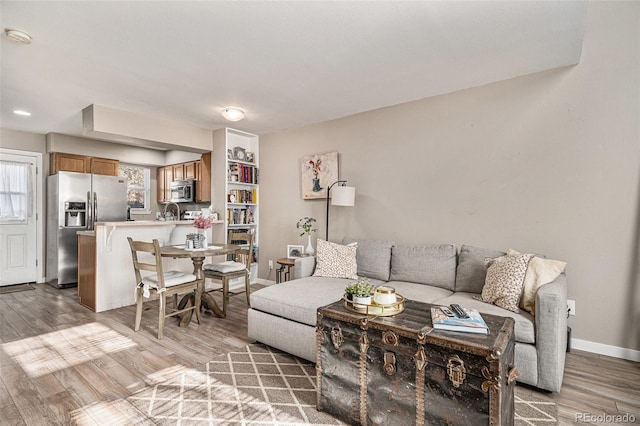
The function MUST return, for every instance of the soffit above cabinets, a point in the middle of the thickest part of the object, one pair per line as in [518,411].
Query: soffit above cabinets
[286,64]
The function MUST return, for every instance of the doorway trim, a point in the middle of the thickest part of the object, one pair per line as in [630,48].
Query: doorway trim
[40,222]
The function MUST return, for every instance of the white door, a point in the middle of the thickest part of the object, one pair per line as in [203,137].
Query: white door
[18,225]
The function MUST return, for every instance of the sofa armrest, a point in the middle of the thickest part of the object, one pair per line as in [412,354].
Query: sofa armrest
[551,333]
[304,267]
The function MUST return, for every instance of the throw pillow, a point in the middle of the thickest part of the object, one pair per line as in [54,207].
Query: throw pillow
[539,272]
[505,280]
[335,260]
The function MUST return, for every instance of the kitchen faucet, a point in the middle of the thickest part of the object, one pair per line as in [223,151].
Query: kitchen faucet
[166,206]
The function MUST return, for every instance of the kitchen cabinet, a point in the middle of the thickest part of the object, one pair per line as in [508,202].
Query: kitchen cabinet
[63,162]
[200,171]
[87,270]
[190,170]
[160,183]
[164,178]
[104,166]
[178,171]
[203,182]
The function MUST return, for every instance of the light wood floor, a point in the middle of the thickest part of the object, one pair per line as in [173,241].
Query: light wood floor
[59,359]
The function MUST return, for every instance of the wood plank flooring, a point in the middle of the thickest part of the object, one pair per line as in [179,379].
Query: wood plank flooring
[62,364]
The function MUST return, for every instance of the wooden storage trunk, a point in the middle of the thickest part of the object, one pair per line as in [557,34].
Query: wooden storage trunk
[399,371]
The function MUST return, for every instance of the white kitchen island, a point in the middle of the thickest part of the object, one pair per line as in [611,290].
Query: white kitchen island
[106,278]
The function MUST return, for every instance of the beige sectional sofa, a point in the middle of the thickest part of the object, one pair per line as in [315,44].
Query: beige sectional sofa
[284,315]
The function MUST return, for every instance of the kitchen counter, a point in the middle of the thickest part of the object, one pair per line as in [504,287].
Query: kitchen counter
[108,279]
[152,223]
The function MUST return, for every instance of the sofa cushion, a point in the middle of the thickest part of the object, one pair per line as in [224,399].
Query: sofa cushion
[524,326]
[335,260]
[505,279]
[298,300]
[373,258]
[434,265]
[419,292]
[471,272]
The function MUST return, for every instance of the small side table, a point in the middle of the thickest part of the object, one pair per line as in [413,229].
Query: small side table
[284,262]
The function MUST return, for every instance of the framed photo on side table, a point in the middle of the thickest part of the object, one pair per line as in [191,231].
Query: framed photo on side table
[294,251]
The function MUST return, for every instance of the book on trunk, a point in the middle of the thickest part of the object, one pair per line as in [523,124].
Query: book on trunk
[473,324]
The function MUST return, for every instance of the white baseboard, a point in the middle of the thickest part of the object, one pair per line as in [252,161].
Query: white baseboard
[602,349]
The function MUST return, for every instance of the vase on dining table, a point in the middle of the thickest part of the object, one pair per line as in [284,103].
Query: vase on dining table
[203,238]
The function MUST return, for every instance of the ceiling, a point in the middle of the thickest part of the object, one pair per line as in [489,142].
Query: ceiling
[286,64]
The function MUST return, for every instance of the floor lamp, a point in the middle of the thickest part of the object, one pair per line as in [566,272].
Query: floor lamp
[342,196]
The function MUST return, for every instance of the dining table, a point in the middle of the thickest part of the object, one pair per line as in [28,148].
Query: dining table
[197,258]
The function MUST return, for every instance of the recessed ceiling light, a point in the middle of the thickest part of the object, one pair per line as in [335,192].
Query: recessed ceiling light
[233,114]
[18,36]
[21,112]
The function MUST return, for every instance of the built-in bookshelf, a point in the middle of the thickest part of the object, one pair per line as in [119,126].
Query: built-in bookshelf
[235,185]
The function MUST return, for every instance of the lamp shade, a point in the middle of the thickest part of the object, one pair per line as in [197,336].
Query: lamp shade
[343,196]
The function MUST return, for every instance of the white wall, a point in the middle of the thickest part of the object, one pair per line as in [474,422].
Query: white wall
[546,163]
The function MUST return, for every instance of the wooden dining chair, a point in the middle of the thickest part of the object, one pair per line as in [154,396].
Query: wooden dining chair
[163,284]
[239,267]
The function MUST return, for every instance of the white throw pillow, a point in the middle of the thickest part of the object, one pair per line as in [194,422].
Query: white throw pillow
[335,260]
[540,271]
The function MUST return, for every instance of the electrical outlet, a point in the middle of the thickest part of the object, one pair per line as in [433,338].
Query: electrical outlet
[270,264]
[571,306]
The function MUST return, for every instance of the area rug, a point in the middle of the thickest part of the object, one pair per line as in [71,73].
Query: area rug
[15,287]
[259,385]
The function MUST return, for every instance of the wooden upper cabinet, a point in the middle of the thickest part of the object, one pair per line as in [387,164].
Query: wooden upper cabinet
[203,184]
[190,170]
[160,182]
[178,171]
[62,162]
[104,166]
[168,178]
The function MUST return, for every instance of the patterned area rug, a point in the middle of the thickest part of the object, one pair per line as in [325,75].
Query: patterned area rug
[261,386]
[15,287]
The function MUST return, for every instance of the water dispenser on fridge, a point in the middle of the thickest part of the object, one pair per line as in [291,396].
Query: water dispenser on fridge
[75,214]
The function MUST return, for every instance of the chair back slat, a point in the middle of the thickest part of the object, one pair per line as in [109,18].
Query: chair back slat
[153,249]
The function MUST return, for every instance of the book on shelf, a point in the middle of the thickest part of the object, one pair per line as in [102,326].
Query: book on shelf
[473,324]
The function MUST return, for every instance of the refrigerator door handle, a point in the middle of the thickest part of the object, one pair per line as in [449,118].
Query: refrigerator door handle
[89,212]
[95,209]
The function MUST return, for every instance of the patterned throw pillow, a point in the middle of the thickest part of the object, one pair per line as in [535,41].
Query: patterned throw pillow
[505,279]
[540,271]
[335,260]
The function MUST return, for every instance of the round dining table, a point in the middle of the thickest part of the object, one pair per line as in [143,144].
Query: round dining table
[197,257]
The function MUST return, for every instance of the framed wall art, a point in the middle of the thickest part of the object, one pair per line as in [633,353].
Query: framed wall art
[318,172]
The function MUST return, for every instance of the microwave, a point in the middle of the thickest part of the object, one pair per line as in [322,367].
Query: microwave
[183,191]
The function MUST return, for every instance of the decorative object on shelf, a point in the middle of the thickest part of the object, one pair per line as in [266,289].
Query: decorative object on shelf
[360,292]
[294,250]
[239,153]
[202,223]
[342,196]
[306,224]
[317,172]
[251,157]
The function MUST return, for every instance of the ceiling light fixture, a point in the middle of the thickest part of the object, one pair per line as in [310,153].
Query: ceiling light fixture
[21,112]
[18,36]
[233,114]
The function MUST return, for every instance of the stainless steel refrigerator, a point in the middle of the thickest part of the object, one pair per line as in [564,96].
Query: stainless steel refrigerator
[75,202]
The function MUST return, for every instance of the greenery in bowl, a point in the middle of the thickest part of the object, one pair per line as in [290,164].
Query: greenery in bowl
[361,288]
